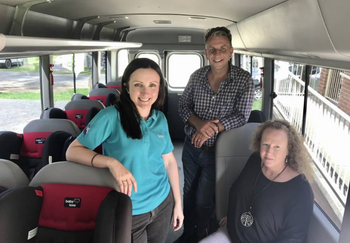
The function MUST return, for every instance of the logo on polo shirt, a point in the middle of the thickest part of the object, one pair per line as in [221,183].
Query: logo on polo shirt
[161,136]
[72,202]
[86,129]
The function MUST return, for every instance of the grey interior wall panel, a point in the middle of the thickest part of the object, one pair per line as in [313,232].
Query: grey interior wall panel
[165,36]
[337,21]
[42,25]
[88,32]
[236,37]
[6,18]
[298,35]
[107,34]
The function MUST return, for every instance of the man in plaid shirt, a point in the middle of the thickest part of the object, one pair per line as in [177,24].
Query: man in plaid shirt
[217,98]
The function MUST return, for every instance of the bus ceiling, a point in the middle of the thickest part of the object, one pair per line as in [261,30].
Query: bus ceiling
[312,31]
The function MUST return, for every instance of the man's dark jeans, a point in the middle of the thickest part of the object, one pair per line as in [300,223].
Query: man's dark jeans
[199,188]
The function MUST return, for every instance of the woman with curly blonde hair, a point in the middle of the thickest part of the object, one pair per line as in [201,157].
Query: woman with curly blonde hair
[298,158]
[271,200]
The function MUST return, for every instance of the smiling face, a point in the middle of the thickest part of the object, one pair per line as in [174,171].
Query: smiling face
[218,51]
[143,88]
[274,148]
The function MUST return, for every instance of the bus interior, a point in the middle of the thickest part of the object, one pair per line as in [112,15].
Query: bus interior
[297,51]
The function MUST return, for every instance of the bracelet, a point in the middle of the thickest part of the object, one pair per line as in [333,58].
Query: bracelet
[92,160]
[217,125]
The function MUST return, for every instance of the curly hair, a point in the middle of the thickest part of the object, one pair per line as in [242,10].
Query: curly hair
[298,158]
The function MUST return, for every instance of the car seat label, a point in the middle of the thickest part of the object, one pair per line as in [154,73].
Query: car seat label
[40,140]
[32,233]
[14,156]
[72,202]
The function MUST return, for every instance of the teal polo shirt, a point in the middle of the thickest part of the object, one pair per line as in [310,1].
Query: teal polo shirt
[142,157]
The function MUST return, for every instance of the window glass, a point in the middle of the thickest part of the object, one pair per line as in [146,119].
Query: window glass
[64,77]
[327,128]
[257,76]
[102,76]
[245,62]
[180,68]
[123,61]
[151,56]
[20,93]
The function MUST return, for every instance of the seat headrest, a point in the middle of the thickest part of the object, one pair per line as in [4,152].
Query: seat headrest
[256,116]
[11,175]
[83,104]
[73,173]
[53,112]
[99,85]
[78,96]
[51,125]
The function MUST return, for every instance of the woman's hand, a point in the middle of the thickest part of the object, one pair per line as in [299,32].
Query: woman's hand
[178,217]
[123,176]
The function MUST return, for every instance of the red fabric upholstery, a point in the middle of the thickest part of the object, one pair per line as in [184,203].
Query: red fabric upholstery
[33,144]
[77,116]
[71,207]
[118,87]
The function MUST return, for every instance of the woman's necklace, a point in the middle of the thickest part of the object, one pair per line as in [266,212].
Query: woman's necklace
[247,218]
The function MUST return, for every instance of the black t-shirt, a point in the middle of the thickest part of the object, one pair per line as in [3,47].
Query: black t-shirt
[281,212]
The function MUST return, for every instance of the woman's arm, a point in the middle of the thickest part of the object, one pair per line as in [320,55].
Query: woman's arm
[78,153]
[173,174]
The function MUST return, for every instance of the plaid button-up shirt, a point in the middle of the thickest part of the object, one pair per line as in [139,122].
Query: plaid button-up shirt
[231,105]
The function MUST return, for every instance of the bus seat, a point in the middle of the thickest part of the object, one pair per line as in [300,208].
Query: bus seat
[78,96]
[85,183]
[106,96]
[10,145]
[77,110]
[99,85]
[115,84]
[55,147]
[64,213]
[35,134]
[57,143]
[20,209]
[232,153]
[256,116]
[11,175]
[53,112]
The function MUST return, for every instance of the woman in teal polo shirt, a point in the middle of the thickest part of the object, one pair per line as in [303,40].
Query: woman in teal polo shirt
[137,150]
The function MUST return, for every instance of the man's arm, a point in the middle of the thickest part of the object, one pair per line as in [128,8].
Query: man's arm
[186,102]
[242,109]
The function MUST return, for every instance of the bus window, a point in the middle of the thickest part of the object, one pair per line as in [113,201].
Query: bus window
[257,69]
[151,56]
[180,68]
[102,71]
[245,62]
[20,93]
[326,130]
[123,61]
[64,77]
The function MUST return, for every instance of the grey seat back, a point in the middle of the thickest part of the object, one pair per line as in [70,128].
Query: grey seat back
[72,173]
[11,175]
[232,153]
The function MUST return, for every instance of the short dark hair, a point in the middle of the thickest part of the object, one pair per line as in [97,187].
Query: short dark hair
[143,63]
[218,31]
[130,117]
